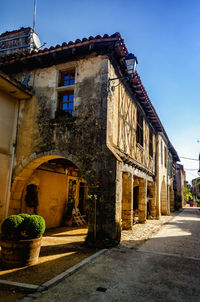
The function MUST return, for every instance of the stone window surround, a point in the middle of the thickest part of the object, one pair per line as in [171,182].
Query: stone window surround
[61,89]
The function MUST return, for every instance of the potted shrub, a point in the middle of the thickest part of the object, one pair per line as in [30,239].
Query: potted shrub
[21,239]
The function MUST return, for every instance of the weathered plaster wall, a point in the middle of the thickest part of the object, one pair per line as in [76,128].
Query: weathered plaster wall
[8,115]
[83,136]
[52,188]
[163,200]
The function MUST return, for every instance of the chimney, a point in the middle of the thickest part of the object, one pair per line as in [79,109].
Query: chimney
[18,42]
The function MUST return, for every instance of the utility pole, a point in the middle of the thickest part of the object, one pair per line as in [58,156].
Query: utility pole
[34,16]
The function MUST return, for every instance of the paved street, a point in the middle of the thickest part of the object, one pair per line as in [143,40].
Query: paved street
[165,268]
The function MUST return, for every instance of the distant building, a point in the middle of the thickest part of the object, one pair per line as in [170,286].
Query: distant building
[180,183]
[196,188]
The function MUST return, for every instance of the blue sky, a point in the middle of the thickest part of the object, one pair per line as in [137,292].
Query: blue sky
[163,34]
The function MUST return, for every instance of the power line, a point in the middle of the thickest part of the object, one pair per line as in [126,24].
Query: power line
[192,174]
[189,158]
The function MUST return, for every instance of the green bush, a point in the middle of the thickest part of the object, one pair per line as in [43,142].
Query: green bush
[32,227]
[23,226]
[24,215]
[10,227]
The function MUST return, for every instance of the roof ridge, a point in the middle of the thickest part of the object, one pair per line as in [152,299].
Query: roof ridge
[15,31]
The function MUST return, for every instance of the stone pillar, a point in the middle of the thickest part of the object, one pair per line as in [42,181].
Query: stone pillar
[142,206]
[171,199]
[127,201]
[153,200]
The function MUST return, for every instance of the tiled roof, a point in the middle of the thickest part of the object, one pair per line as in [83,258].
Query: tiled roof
[14,31]
[121,47]
[67,51]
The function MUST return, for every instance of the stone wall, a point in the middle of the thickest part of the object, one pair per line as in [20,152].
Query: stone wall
[82,136]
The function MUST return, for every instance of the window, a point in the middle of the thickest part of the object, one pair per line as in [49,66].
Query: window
[165,157]
[161,147]
[150,143]
[66,91]
[67,102]
[139,133]
[67,78]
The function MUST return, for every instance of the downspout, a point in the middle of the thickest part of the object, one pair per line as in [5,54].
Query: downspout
[12,159]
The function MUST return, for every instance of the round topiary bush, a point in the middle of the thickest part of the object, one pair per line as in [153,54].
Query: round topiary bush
[24,215]
[23,226]
[10,227]
[32,227]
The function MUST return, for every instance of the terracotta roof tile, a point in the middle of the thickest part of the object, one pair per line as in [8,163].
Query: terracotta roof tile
[120,50]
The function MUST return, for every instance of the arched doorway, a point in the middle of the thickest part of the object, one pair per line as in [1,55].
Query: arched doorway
[50,186]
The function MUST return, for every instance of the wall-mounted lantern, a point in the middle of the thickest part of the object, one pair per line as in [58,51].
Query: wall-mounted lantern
[130,63]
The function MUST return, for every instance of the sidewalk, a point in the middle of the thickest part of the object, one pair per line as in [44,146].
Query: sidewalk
[142,232]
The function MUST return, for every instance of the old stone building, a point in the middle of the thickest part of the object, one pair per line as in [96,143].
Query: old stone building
[89,138]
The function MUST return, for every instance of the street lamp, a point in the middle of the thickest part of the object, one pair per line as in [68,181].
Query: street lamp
[131,63]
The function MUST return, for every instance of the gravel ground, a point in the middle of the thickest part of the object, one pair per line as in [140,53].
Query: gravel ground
[143,231]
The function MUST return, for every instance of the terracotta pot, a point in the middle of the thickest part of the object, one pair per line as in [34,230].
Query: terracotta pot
[20,253]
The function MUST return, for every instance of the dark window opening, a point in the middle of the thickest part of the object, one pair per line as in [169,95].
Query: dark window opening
[150,143]
[139,133]
[135,197]
[31,197]
[165,157]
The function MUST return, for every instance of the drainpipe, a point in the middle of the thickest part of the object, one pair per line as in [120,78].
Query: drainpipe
[12,159]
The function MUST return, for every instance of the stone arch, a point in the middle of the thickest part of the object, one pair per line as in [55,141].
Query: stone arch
[25,175]
[163,198]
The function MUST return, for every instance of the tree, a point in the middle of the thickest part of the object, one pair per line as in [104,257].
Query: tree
[187,194]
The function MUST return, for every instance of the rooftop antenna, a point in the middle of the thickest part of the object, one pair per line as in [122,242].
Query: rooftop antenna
[34,17]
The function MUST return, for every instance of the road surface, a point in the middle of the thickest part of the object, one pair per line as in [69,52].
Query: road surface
[165,268]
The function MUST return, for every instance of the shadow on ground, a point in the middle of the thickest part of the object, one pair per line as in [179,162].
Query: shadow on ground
[61,249]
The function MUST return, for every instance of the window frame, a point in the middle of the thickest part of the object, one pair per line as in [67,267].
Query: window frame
[61,102]
[62,78]
[66,89]
[139,130]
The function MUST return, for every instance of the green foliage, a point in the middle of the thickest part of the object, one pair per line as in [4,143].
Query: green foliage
[10,226]
[24,215]
[198,201]
[32,227]
[187,194]
[23,226]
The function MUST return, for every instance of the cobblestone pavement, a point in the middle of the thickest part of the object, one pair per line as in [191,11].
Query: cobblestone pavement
[143,231]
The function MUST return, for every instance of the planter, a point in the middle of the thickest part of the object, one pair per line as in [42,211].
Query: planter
[191,204]
[20,253]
